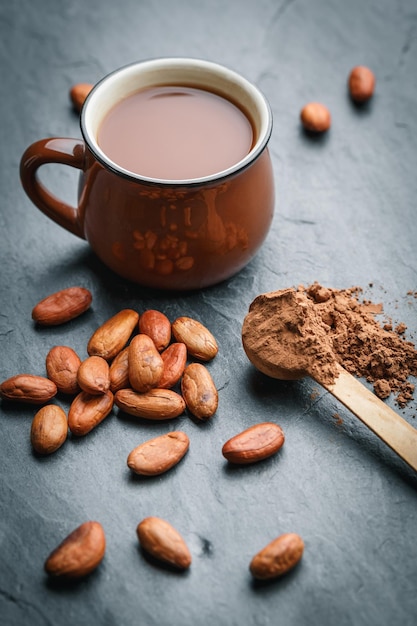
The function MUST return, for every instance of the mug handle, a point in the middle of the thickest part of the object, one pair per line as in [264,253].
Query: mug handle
[55,150]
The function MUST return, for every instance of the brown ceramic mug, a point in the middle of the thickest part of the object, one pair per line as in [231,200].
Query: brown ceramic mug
[169,234]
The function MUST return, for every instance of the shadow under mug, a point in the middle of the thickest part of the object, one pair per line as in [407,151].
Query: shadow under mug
[168,234]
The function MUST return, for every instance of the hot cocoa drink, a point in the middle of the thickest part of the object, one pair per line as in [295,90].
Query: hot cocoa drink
[175,133]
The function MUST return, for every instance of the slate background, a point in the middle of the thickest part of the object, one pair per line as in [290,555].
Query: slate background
[345,215]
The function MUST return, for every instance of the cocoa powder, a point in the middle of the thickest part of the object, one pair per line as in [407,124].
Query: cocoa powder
[284,337]
[321,326]
[362,345]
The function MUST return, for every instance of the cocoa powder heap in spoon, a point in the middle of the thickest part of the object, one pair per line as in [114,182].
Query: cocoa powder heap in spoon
[309,331]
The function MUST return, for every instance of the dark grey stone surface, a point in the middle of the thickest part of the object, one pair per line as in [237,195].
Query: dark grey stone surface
[345,215]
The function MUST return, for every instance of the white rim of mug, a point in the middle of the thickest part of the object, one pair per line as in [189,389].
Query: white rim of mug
[173,64]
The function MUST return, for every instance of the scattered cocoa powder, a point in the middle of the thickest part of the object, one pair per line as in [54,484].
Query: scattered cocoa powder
[308,330]
[337,419]
[382,388]
[364,347]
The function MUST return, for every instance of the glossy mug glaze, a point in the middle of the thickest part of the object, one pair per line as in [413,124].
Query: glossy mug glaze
[168,234]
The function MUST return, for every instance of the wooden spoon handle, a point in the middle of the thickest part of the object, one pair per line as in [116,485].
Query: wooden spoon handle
[395,431]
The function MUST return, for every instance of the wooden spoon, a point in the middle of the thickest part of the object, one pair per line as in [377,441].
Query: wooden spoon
[291,363]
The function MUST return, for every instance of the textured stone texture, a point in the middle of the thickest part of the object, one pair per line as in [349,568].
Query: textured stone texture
[345,215]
